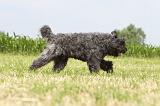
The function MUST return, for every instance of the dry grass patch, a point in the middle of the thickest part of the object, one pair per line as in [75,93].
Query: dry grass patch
[135,81]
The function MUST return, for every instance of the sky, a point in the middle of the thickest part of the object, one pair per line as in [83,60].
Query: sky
[27,16]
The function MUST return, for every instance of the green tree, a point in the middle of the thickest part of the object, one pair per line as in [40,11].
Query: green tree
[132,34]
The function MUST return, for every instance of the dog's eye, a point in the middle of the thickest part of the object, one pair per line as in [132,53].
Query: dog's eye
[122,42]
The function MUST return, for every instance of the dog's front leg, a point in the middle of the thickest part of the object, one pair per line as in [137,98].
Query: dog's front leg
[107,66]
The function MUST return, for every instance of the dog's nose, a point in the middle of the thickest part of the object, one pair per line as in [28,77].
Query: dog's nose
[125,49]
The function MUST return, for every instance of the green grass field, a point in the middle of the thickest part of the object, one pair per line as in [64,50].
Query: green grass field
[135,81]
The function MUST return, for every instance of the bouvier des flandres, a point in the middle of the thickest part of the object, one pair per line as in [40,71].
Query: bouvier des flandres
[88,47]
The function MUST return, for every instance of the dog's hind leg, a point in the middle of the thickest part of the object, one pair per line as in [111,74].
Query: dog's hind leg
[59,63]
[47,55]
[93,64]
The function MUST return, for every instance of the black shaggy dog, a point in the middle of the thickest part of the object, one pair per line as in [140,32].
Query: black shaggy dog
[88,47]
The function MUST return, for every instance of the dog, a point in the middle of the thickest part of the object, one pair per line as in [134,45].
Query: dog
[87,47]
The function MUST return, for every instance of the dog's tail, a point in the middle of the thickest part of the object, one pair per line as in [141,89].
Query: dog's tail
[46,32]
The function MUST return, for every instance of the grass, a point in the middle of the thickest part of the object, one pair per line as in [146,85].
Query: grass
[135,81]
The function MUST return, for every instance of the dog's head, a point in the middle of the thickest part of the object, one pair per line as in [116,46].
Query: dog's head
[46,31]
[117,45]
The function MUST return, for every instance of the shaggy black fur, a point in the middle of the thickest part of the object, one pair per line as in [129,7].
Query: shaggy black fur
[88,47]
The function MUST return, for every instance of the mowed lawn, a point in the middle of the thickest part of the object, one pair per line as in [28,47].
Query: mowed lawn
[135,81]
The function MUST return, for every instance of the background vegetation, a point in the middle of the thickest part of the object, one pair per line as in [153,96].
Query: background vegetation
[25,45]
[132,34]
[20,44]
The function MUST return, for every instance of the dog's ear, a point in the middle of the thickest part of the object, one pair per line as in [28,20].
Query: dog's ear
[114,33]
